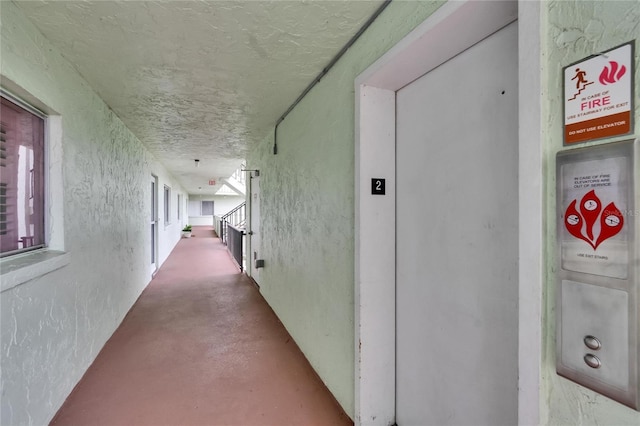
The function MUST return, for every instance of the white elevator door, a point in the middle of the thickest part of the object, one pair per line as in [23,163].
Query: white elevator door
[457,240]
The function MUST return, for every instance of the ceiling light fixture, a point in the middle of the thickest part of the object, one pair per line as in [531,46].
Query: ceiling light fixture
[197,162]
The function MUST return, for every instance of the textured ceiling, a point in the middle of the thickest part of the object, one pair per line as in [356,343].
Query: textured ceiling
[199,79]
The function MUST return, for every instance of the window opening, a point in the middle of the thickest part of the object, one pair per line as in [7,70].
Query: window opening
[22,178]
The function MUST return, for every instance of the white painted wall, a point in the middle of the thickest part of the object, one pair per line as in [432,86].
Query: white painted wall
[54,325]
[201,220]
[307,210]
[222,204]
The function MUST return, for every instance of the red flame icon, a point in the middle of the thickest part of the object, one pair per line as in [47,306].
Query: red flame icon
[613,74]
[611,220]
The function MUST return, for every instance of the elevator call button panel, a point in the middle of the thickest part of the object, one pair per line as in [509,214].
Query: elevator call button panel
[598,269]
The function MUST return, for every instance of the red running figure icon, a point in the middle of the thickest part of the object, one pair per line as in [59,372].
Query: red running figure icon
[581,80]
[580,75]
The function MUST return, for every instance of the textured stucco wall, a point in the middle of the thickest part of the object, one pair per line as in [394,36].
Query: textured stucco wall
[307,208]
[575,30]
[54,326]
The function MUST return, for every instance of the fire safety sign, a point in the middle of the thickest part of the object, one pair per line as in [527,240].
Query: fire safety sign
[595,204]
[598,96]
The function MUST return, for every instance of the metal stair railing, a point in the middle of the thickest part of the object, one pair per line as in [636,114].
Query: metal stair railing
[232,227]
[235,217]
[235,244]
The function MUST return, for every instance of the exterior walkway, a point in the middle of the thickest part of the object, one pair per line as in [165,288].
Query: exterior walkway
[200,347]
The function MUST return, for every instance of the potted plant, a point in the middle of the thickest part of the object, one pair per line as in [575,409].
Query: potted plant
[186,231]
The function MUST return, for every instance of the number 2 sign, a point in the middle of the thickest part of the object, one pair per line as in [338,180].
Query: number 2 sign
[377,186]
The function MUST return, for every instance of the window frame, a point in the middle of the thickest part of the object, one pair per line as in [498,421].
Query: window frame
[45,202]
[23,267]
[167,205]
[179,202]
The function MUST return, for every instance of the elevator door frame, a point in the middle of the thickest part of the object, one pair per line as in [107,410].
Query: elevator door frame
[453,28]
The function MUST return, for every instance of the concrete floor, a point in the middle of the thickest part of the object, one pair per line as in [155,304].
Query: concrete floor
[200,347]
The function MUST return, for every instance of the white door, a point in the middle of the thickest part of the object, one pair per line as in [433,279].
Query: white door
[154,225]
[457,240]
[254,230]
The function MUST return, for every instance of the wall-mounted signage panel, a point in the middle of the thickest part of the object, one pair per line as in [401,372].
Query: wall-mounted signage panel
[597,299]
[598,95]
[595,239]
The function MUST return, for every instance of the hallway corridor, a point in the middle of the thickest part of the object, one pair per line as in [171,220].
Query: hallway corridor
[200,347]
